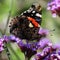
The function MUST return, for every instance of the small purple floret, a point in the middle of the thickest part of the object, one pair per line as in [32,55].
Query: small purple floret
[54,7]
[48,53]
[1,44]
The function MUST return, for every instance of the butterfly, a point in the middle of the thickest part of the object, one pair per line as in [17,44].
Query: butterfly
[26,26]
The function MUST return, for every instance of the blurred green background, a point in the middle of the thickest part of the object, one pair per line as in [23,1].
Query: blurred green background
[16,7]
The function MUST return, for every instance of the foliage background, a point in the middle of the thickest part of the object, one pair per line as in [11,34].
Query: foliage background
[16,7]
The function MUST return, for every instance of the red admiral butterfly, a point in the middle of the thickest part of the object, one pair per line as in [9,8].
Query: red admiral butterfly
[26,26]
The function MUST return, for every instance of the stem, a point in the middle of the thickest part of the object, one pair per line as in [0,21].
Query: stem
[26,58]
[7,51]
[0,56]
[8,17]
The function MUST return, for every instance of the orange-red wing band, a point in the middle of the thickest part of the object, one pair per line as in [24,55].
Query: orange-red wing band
[33,21]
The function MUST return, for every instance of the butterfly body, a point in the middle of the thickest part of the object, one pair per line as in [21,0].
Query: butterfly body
[26,26]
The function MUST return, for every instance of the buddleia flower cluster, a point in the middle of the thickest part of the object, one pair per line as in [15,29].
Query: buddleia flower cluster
[47,51]
[1,44]
[28,48]
[54,7]
[50,52]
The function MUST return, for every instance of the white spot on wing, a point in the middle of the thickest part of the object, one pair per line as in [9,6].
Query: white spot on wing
[30,25]
[22,14]
[33,11]
[38,15]
[24,11]
[28,11]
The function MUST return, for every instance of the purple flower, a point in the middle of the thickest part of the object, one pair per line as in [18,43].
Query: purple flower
[1,49]
[54,7]
[6,38]
[44,42]
[29,49]
[48,53]
[1,44]
[43,32]
[14,39]
[56,46]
